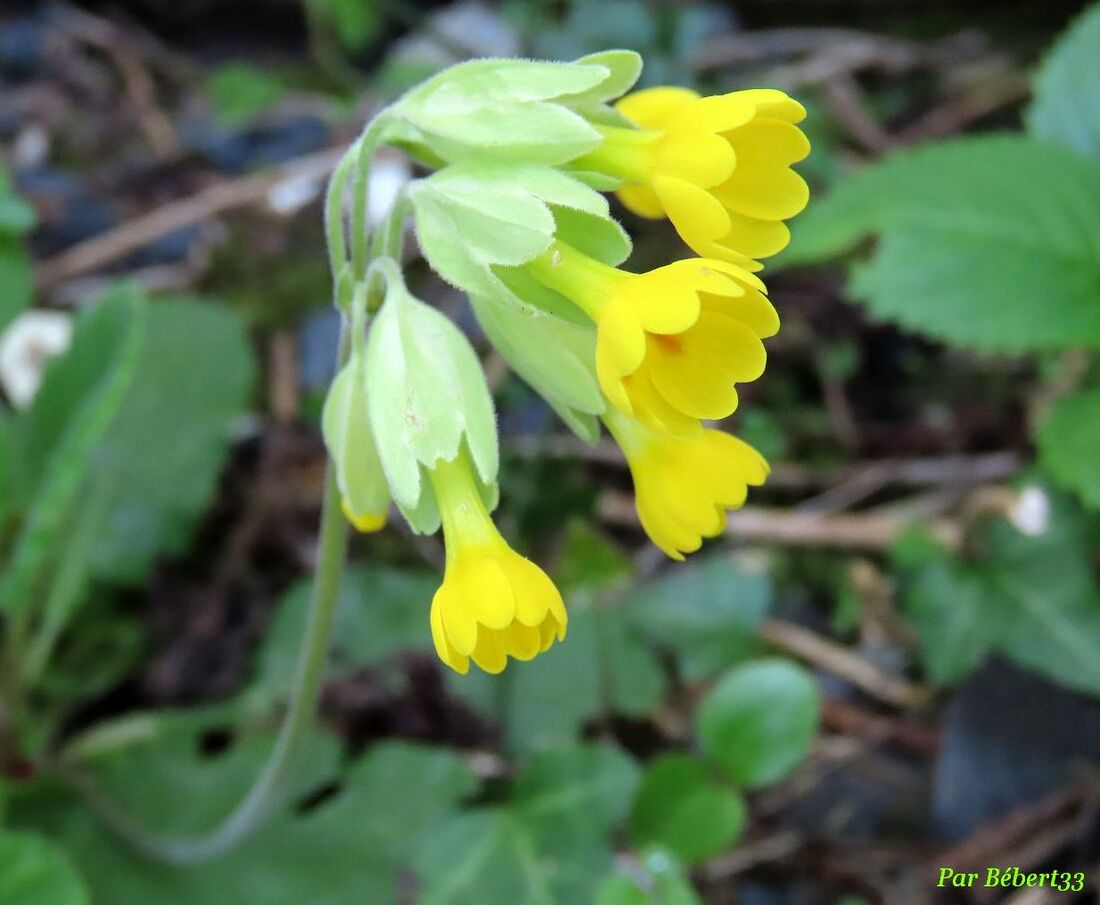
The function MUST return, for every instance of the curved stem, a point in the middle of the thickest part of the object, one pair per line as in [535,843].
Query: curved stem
[269,789]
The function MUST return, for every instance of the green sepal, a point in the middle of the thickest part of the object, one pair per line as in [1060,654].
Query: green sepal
[471,218]
[345,423]
[556,357]
[511,110]
[427,396]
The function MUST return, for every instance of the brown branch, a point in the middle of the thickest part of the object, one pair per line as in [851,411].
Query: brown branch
[800,529]
[163,221]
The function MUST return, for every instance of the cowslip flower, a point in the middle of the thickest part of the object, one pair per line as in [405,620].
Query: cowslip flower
[718,167]
[493,603]
[684,483]
[672,342]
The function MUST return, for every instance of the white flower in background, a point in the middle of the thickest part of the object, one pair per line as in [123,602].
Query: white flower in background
[1030,514]
[27,345]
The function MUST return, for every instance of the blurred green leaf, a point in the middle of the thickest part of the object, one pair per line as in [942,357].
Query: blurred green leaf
[166,446]
[1069,443]
[759,721]
[590,560]
[549,845]
[355,22]
[35,872]
[707,612]
[949,605]
[659,880]
[239,91]
[380,610]
[1034,599]
[679,806]
[15,278]
[1065,107]
[348,849]
[977,235]
[601,666]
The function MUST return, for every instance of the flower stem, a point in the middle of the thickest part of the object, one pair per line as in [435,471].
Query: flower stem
[269,790]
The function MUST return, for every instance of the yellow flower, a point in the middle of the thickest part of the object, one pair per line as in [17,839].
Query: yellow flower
[670,343]
[718,167]
[684,483]
[367,523]
[493,603]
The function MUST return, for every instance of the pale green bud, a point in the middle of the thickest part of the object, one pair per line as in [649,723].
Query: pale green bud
[428,397]
[472,218]
[345,423]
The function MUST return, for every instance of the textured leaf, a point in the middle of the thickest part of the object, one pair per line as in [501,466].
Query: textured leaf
[1069,444]
[349,849]
[759,721]
[380,611]
[707,612]
[681,808]
[548,846]
[1033,599]
[1066,105]
[34,872]
[550,698]
[989,242]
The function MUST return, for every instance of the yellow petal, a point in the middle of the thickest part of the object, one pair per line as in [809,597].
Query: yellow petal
[701,158]
[773,103]
[443,648]
[640,200]
[652,108]
[750,237]
[489,653]
[698,216]
[718,113]
[752,309]
[366,523]
[762,185]
[486,591]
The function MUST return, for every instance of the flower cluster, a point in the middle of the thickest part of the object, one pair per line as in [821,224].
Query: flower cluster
[515,214]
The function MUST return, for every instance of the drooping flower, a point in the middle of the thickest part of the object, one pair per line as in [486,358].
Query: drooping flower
[718,167]
[493,603]
[671,343]
[684,483]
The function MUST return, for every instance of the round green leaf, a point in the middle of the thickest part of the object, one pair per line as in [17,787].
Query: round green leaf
[759,721]
[679,806]
[34,872]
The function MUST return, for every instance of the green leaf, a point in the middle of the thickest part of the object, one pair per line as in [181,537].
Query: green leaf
[680,807]
[356,22]
[239,91]
[759,721]
[988,242]
[15,279]
[659,880]
[164,450]
[707,612]
[590,560]
[1033,599]
[68,463]
[601,665]
[1066,105]
[380,610]
[548,846]
[33,871]
[16,216]
[1069,444]
[350,848]
[949,605]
